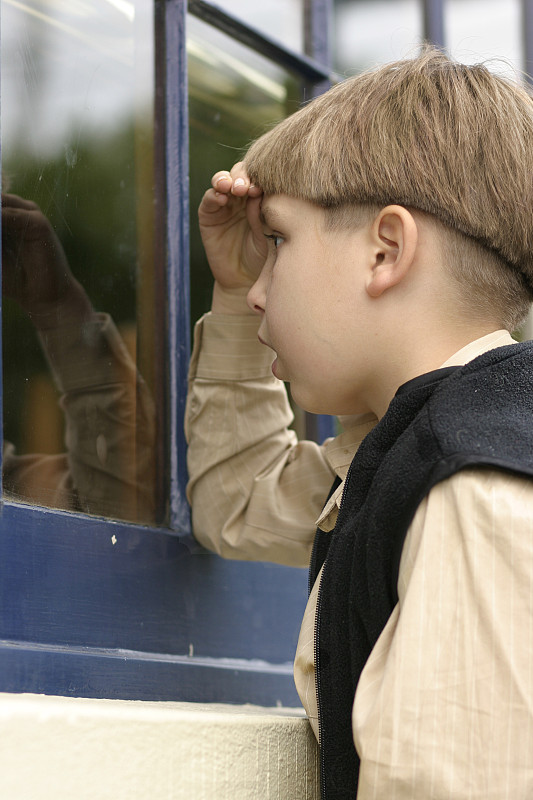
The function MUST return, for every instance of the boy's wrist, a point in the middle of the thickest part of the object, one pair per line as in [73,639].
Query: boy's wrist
[230,301]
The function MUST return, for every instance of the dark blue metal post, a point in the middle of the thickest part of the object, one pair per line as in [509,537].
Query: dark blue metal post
[177,195]
[434,22]
[317,27]
[317,37]
[527,28]
[1,367]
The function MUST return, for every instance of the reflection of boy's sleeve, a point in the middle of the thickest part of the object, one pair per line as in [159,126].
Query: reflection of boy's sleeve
[108,469]
[444,706]
[255,491]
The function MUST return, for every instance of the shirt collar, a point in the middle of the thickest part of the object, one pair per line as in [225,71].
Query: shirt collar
[478,347]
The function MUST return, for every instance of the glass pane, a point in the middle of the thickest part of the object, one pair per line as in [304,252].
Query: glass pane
[485,29]
[77,141]
[371,32]
[234,94]
[279,19]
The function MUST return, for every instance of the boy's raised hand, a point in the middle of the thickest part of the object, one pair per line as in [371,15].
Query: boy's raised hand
[233,237]
[35,271]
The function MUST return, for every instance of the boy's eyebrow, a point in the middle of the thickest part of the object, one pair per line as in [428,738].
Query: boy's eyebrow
[269,215]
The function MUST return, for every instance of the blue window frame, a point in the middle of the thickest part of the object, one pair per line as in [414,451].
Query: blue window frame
[96,608]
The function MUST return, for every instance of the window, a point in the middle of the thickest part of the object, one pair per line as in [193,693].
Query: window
[77,140]
[100,599]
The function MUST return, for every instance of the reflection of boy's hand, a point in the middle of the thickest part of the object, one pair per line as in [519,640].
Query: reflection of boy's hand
[231,230]
[35,271]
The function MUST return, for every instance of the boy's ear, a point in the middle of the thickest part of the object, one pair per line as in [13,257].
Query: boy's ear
[394,241]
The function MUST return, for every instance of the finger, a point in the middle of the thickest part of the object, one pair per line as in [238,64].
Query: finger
[14,201]
[17,218]
[212,201]
[241,181]
[221,181]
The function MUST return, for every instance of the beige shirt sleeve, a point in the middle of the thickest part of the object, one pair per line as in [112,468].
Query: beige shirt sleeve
[255,491]
[444,706]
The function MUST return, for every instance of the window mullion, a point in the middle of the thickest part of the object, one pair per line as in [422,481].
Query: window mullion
[317,30]
[177,199]
[434,21]
[527,28]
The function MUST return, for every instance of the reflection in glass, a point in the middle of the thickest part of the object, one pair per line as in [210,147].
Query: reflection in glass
[234,95]
[77,104]
[279,19]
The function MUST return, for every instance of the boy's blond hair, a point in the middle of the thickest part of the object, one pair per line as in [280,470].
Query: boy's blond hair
[450,140]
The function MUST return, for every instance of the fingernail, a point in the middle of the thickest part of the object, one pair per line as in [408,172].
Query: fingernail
[239,182]
[222,178]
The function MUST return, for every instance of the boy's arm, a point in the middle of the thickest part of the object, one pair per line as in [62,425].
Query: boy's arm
[444,706]
[108,467]
[255,492]
[109,419]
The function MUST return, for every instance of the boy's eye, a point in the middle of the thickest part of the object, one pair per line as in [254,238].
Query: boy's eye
[275,238]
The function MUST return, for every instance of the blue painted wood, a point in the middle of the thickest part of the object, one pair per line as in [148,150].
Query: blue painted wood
[177,153]
[123,675]
[69,582]
[88,582]
[325,427]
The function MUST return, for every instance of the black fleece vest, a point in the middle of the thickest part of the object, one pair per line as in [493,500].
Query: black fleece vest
[476,416]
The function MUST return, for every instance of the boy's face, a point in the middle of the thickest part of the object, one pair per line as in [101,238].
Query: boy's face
[313,304]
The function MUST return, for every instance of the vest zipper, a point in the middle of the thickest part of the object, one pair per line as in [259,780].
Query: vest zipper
[317,689]
[316,653]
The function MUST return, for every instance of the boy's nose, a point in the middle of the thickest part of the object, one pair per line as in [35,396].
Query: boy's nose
[256,298]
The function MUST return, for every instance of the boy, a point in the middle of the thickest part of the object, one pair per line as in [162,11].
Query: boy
[397,259]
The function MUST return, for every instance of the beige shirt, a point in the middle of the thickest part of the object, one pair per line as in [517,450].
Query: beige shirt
[454,665]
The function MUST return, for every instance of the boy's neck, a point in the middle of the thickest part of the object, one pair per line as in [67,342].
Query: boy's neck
[421,352]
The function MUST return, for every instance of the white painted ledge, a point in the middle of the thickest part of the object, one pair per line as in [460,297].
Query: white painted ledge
[58,748]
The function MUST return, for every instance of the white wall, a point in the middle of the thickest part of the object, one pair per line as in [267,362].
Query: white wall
[57,748]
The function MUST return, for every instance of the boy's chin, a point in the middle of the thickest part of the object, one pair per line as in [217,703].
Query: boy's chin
[312,405]
[317,406]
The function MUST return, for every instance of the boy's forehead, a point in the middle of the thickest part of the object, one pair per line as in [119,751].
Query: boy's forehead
[277,207]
